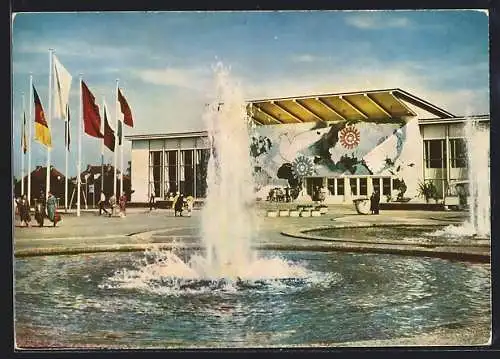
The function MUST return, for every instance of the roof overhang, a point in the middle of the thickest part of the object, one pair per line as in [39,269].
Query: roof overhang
[160,136]
[370,106]
[449,120]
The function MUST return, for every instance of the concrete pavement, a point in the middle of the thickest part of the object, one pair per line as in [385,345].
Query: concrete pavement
[142,228]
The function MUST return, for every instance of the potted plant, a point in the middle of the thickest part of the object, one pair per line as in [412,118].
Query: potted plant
[427,190]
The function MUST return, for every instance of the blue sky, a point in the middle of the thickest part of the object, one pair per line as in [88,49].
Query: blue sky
[164,62]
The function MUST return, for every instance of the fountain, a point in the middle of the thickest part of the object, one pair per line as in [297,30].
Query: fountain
[229,221]
[478,156]
[229,294]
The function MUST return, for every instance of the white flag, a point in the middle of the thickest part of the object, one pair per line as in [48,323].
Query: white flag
[62,84]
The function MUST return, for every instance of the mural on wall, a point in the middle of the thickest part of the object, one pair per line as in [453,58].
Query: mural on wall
[284,154]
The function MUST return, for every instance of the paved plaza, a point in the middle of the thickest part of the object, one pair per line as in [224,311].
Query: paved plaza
[142,228]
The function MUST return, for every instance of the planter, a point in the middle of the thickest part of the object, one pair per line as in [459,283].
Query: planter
[272,213]
[284,213]
[294,213]
[305,213]
[323,210]
[362,205]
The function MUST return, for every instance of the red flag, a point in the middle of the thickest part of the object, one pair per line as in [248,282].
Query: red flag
[109,134]
[91,117]
[127,114]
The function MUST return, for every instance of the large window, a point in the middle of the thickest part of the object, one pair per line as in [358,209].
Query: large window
[340,186]
[363,186]
[201,160]
[386,186]
[376,184]
[155,173]
[354,186]
[170,173]
[458,153]
[187,173]
[435,153]
[331,186]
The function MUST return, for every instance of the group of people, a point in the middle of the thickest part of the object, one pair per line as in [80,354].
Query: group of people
[279,194]
[122,204]
[319,194]
[43,209]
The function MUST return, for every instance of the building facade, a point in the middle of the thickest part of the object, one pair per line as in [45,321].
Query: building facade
[349,143]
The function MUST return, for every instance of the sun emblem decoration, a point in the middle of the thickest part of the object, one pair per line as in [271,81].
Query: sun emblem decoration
[302,166]
[349,137]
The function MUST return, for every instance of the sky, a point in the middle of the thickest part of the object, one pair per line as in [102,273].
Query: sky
[164,63]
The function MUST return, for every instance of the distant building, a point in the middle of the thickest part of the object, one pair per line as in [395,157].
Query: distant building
[349,143]
[38,183]
[95,176]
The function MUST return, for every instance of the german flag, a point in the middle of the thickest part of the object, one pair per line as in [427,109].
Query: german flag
[42,131]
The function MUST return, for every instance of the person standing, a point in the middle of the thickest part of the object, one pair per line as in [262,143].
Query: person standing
[102,205]
[24,210]
[377,201]
[179,205]
[374,202]
[40,209]
[51,209]
[122,201]
[152,197]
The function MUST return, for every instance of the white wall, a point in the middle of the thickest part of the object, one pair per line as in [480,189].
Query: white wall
[140,166]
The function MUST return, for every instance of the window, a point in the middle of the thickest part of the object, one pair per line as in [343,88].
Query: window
[386,186]
[376,184]
[187,173]
[435,153]
[458,153]
[354,186]
[155,172]
[340,186]
[363,186]
[170,172]
[331,186]
[201,163]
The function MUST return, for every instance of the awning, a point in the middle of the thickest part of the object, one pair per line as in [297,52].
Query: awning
[371,106]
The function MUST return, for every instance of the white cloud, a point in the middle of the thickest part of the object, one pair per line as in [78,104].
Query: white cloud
[66,47]
[306,58]
[191,78]
[372,21]
[458,101]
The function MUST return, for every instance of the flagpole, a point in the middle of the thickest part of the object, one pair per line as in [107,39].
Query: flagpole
[116,133]
[49,120]
[29,138]
[102,145]
[22,143]
[79,162]
[66,124]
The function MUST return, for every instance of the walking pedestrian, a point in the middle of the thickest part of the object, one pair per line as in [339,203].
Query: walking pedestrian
[102,205]
[179,205]
[374,202]
[52,209]
[152,198]
[123,204]
[40,209]
[24,211]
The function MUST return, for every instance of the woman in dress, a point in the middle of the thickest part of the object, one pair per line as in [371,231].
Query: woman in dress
[123,204]
[51,209]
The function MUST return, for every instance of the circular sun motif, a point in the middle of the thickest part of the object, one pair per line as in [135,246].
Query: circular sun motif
[349,137]
[302,166]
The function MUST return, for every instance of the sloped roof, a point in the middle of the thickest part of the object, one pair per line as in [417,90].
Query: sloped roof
[376,106]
